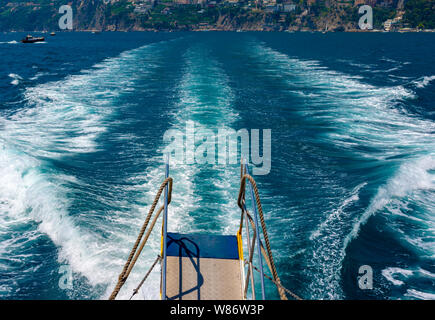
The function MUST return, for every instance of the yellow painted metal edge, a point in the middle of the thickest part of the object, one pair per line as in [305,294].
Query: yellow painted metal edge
[240,244]
[242,262]
[161,254]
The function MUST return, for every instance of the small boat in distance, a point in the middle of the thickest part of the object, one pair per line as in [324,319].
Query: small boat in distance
[52,34]
[31,39]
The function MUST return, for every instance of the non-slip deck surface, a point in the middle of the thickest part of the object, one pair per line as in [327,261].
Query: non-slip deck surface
[203,267]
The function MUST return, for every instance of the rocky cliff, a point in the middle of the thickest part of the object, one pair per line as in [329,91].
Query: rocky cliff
[124,15]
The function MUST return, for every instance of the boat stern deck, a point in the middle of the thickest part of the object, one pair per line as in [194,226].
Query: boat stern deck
[204,267]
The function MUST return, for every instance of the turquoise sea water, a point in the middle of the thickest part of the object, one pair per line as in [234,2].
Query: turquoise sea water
[352,178]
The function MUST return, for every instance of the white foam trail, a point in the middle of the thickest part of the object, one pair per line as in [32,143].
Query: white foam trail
[390,273]
[413,178]
[327,243]
[337,214]
[27,194]
[41,74]
[420,294]
[400,277]
[426,273]
[15,79]
[67,116]
[358,114]
[424,81]
[208,109]
[206,99]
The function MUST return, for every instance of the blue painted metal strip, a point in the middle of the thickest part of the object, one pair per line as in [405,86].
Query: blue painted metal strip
[202,246]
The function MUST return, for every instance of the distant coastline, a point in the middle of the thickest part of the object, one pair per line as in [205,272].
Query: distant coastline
[220,15]
[227,30]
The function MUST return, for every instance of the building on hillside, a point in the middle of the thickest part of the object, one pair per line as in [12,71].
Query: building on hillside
[345,3]
[387,25]
[392,23]
[268,2]
[385,4]
[280,8]
[182,1]
[358,3]
[166,11]
[271,8]
[143,6]
[286,7]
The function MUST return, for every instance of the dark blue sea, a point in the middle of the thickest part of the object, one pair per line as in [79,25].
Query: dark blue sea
[352,179]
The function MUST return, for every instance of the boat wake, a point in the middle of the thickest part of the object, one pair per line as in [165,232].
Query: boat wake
[369,123]
[423,81]
[203,195]
[15,79]
[9,42]
[61,120]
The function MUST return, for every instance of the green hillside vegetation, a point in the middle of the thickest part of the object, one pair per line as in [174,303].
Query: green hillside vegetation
[121,9]
[29,18]
[420,13]
[166,15]
[381,14]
